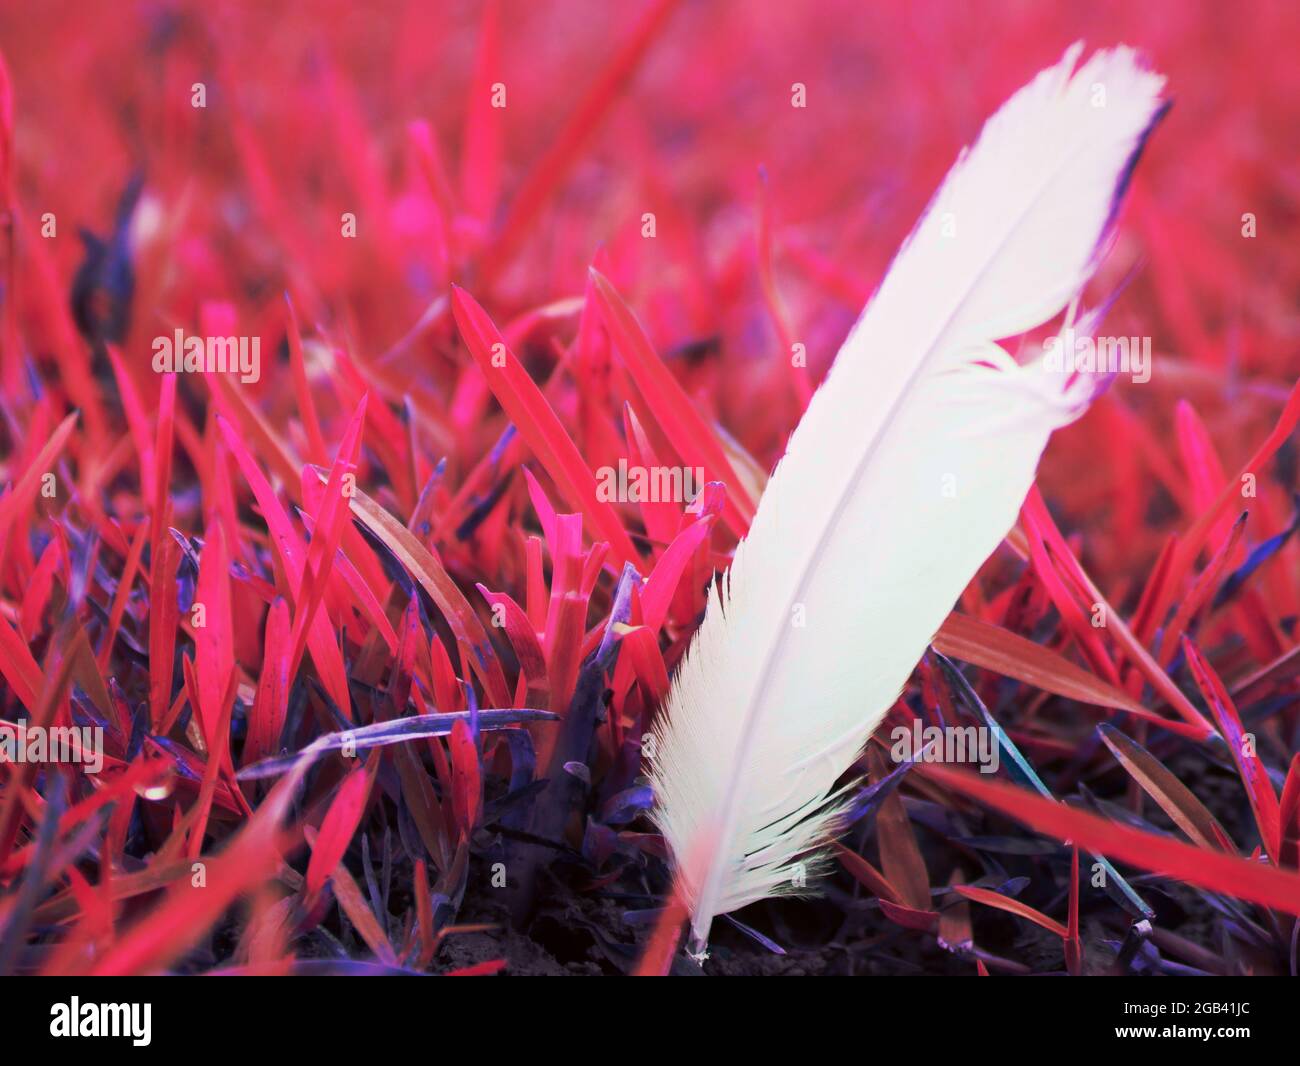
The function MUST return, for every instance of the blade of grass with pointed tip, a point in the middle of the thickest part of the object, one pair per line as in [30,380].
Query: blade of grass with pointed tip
[445,593]
[689,434]
[531,413]
[1259,789]
[1011,906]
[339,825]
[396,731]
[1173,797]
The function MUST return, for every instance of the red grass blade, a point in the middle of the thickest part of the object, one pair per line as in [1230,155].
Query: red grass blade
[563,154]
[293,556]
[271,704]
[866,874]
[689,434]
[900,857]
[346,810]
[306,404]
[1289,817]
[480,175]
[466,778]
[18,667]
[164,614]
[1170,858]
[16,506]
[537,423]
[1194,539]
[1036,512]
[1073,945]
[657,959]
[1263,800]
[1202,590]
[214,640]
[1012,906]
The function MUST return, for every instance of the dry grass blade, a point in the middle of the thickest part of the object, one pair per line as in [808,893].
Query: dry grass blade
[435,580]
[1174,798]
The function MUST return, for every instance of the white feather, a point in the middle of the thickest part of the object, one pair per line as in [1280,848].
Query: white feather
[905,473]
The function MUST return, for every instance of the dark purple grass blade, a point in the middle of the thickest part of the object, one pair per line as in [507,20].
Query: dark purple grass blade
[395,732]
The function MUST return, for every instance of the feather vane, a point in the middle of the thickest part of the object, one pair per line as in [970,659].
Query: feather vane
[906,471]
